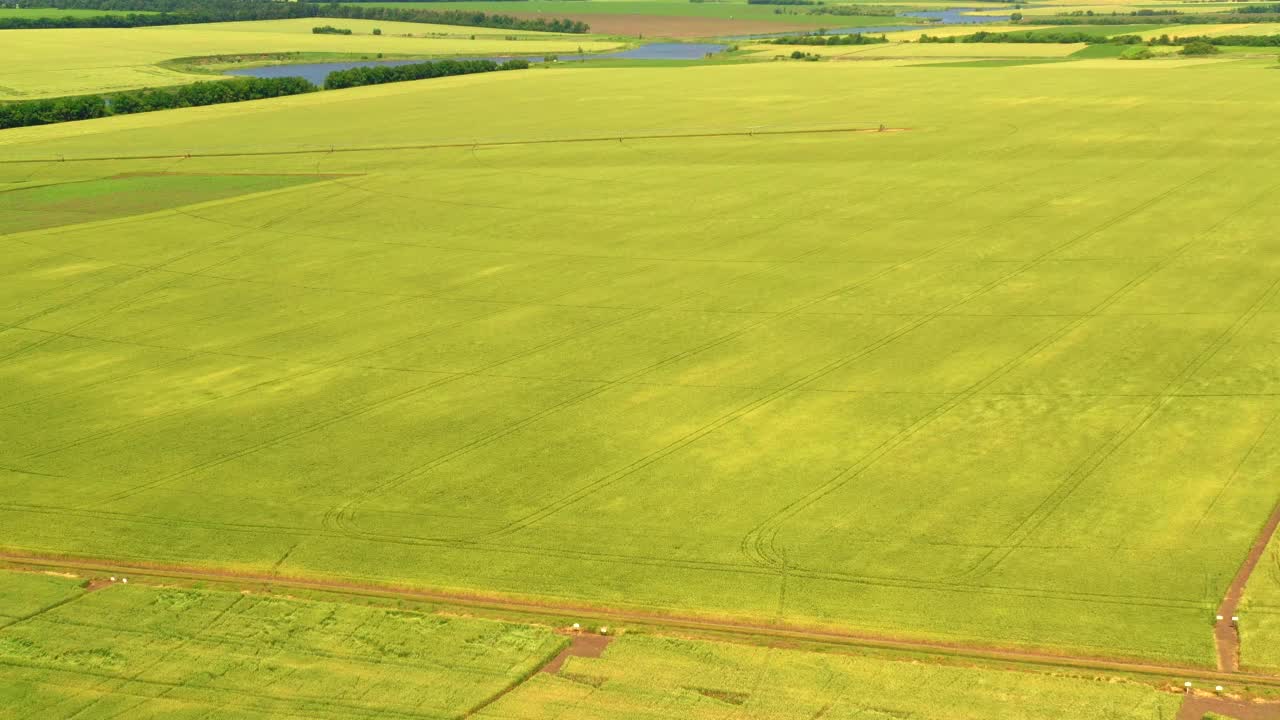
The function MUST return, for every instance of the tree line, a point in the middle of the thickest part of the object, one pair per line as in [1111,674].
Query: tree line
[1068,37]
[330,30]
[851,39]
[1026,36]
[1178,19]
[86,107]
[184,12]
[380,74]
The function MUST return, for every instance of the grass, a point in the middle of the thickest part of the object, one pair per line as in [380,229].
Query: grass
[51,63]
[646,677]
[1006,377]
[1260,614]
[177,652]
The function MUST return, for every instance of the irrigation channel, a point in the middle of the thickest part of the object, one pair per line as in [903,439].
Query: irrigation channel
[317,72]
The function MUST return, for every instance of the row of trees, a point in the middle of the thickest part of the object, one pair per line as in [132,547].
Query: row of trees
[87,107]
[852,39]
[1026,36]
[1179,19]
[330,30]
[380,74]
[181,12]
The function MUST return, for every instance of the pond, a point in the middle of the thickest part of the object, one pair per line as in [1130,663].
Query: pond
[317,72]
[950,16]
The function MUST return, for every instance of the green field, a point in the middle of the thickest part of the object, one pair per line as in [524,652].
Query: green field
[147,652]
[1260,615]
[1003,377]
[644,677]
[50,63]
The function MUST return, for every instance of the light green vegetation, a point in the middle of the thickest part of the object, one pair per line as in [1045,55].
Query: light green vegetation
[166,652]
[22,595]
[1005,377]
[645,677]
[926,50]
[1192,8]
[1213,30]
[1260,614]
[47,63]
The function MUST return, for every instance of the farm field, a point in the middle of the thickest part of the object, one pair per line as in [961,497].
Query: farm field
[647,677]
[50,63]
[926,50]
[665,19]
[156,652]
[1261,613]
[1000,376]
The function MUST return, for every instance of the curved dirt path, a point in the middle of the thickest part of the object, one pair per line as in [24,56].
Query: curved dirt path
[1226,634]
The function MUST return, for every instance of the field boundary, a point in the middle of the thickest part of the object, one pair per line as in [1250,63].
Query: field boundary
[621,137]
[1226,633]
[658,623]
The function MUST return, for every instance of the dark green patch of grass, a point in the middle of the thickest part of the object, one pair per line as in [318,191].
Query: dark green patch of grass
[77,202]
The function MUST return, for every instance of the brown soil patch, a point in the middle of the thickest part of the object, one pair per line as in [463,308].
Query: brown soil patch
[660,26]
[1225,634]
[96,584]
[1195,707]
[582,645]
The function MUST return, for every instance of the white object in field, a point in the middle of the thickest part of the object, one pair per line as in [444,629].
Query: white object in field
[576,626]
[124,580]
[1218,689]
[604,630]
[113,578]
[1220,618]
[1235,619]
[1187,685]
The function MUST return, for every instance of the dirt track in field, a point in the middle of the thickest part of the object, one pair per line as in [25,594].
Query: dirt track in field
[1195,707]
[665,26]
[1173,675]
[1226,634]
[583,644]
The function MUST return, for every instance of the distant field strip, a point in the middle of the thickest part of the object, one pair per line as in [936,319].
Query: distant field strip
[479,143]
[1005,379]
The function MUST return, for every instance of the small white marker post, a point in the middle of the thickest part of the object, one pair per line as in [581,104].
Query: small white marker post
[576,626]
[124,580]
[1218,689]
[1235,619]
[604,630]
[1220,618]
[1187,686]
[113,578]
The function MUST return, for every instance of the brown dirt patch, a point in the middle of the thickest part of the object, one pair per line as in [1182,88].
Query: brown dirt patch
[660,26]
[1195,707]
[582,645]
[97,584]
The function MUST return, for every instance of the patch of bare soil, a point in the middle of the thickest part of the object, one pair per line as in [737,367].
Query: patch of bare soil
[581,645]
[1195,707]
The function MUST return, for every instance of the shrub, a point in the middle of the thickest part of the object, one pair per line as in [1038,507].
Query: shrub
[1200,47]
[1137,52]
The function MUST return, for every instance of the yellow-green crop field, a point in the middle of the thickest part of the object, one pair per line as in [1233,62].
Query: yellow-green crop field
[167,652]
[645,677]
[1005,375]
[50,63]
